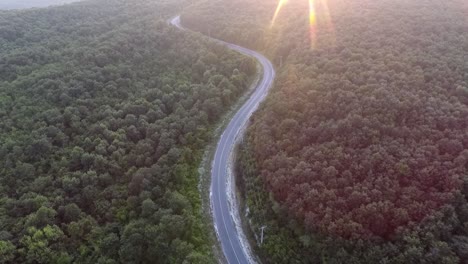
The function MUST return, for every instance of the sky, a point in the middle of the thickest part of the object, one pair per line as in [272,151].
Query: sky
[18,4]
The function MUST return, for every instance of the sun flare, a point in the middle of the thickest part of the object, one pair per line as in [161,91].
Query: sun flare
[312,23]
[278,9]
[319,20]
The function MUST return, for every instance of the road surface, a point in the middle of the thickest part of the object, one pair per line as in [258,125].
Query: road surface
[225,212]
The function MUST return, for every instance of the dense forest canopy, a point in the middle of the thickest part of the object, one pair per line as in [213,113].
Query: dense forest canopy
[365,136]
[105,111]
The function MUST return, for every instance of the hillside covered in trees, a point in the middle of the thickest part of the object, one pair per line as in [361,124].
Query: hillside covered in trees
[105,111]
[360,154]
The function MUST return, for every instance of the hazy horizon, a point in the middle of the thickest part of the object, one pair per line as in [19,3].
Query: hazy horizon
[21,4]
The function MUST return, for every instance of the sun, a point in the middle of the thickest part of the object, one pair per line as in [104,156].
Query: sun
[316,7]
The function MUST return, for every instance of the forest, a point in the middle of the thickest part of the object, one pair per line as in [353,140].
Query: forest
[105,112]
[360,153]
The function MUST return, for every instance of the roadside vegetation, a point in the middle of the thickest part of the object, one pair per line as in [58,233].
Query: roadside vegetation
[106,111]
[360,153]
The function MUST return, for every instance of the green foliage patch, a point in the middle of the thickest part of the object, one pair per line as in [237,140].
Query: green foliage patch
[105,111]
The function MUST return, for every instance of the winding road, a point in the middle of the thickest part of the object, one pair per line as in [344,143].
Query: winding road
[222,194]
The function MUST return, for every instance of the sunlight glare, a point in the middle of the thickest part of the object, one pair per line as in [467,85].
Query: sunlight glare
[328,22]
[320,22]
[278,9]
[312,23]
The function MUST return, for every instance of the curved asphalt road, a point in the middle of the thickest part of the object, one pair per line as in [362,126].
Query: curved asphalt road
[219,195]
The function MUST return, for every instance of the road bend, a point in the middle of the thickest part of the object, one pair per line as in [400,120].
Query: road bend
[225,216]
